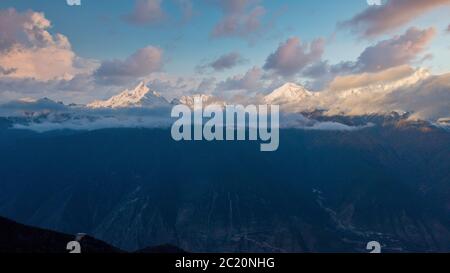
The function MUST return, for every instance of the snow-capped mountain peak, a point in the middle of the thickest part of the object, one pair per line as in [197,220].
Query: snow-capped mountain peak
[288,93]
[140,96]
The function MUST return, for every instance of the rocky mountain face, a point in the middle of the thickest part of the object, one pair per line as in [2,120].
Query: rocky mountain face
[322,191]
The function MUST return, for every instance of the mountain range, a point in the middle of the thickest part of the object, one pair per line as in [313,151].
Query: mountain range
[342,176]
[143,107]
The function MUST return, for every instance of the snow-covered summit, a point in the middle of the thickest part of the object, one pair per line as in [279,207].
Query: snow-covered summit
[140,96]
[288,93]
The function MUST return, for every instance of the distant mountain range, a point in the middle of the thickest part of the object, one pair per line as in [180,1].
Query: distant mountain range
[144,108]
[340,96]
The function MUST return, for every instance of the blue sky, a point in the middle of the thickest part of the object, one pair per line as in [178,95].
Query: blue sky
[98,30]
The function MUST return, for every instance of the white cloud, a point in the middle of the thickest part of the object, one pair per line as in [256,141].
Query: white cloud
[429,99]
[366,79]
[293,56]
[396,51]
[406,49]
[29,50]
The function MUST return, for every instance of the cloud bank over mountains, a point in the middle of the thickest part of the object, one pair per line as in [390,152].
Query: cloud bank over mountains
[35,63]
[416,92]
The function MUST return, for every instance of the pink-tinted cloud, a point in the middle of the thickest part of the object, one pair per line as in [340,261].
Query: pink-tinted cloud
[27,28]
[406,49]
[365,79]
[143,62]
[293,56]
[29,50]
[242,18]
[146,12]
[397,51]
[377,20]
